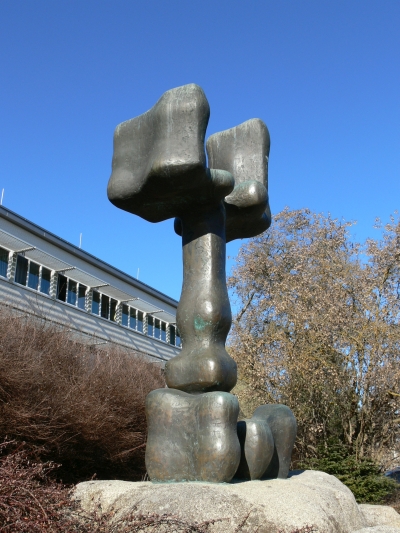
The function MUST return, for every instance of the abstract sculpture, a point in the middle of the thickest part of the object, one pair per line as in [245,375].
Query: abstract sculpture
[159,171]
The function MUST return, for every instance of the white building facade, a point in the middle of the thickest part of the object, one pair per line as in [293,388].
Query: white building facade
[45,276]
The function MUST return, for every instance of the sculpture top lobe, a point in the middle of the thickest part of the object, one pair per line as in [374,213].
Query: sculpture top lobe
[243,151]
[159,166]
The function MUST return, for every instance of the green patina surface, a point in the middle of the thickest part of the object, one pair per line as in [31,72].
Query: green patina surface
[200,323]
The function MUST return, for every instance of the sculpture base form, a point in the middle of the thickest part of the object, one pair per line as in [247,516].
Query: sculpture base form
[196,437]
[266,441]
[192,437]
[311,498]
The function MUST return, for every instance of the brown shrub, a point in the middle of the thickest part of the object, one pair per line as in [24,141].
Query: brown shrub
[32,502]
[81,407]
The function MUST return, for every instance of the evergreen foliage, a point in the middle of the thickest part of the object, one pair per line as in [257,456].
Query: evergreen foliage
[360,474]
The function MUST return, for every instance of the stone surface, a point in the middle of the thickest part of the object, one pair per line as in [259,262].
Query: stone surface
[192,437]
[310,498]
[379,529]
[377,515]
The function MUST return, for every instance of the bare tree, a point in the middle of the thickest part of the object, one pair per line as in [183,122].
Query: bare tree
[317,328]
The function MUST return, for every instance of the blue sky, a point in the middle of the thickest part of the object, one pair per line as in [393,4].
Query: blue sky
[324,75]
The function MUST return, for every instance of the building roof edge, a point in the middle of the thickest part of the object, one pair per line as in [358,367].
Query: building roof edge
[86,256]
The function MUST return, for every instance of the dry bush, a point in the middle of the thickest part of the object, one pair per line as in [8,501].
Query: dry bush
[30,501]
[81,407]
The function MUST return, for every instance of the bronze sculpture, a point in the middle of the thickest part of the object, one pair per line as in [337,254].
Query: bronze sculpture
[160,172]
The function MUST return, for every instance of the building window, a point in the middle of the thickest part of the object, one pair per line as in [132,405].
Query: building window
[21,271]
[68,290]
[72,292]
[82,296]
[105,306]
[140,321]
[132,318]
[157,328]
[45,281]
[174,337]
[96,303]
[113,310]
[33,276]
[62,288]
[39,278]
[125,315]
[3,262]
[150,326]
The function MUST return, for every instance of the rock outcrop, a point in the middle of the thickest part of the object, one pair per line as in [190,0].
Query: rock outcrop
[308,498]
[380,515]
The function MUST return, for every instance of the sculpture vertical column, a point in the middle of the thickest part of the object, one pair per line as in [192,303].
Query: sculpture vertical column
[204,313]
